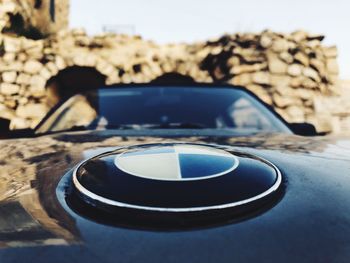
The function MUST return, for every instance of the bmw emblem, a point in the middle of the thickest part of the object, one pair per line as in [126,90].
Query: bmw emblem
[176,162]
[181,179]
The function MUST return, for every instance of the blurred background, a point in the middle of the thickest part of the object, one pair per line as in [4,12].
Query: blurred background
[294,55]
[196,20]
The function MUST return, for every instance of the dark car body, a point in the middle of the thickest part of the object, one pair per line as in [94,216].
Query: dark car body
[310,221]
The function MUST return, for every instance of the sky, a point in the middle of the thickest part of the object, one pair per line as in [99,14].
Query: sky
[167,21]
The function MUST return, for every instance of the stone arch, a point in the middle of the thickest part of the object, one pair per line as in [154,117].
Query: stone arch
[73,80]
[173,78]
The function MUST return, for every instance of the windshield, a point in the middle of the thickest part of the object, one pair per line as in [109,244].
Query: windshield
[163,107]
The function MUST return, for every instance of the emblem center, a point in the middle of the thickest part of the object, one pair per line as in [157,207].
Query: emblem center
[176,162]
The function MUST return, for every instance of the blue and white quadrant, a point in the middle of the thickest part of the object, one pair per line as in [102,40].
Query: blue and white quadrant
[176,162]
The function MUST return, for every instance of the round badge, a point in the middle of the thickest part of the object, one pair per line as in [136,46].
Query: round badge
[176,162]
[176,178]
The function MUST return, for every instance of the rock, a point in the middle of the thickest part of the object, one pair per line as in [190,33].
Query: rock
[296,113]
[294,70]
[217,50]
[3,22]
[8,89]
[87,60]
[105,68]
[6,113]
[241,80]
[330,52]
[126,78]
[276,66]
[52,68]
[261,78]
[247,68]
[265,41]
[23,91]
[314,44]
[282,101]
[19,123]
[12,44]
[286,57]
[10,103]
[30,44]
[78,32]
[233,62]
[9,76]
[60,63]
[280,45]
[34,49]
[8,7]
[334,78]
[23,101]
[14,66]
[32,66]
[305,94]
[35,54]
[324,122]
[279,80]
[31,110]
[9,57]
[318,65]
[311,73]
[332,66]
[285,91]
[299,36]
[265,98]
[23,79]
[37,85]
[22,57]
[302,58]
[309,84]
[45,73]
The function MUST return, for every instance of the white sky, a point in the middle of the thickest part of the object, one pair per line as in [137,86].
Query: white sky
[167,21]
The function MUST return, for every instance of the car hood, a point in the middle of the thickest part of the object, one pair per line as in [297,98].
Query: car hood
[310,223]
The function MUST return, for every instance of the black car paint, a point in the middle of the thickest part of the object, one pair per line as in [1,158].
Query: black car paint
[311,223]
[251,177]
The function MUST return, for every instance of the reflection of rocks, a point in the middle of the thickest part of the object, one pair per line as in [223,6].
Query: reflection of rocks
[38,209]
[31,169]
[17,226]
[29,162]
[25,222]
[23,196]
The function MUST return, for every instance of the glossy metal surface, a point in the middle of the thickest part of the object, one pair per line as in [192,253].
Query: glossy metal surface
[247,179]
[311,223]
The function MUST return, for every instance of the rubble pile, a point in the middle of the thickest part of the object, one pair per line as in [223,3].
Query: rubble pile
[34,19]
[289,71]
[294,72]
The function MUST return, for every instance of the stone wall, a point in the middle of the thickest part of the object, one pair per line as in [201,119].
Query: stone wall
[293,72]
[33,18]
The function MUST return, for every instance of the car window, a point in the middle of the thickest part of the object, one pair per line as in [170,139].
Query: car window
[77,111]
[245,115]
[177,107]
